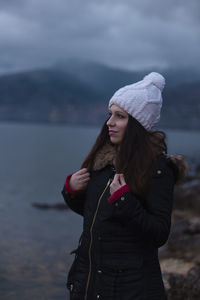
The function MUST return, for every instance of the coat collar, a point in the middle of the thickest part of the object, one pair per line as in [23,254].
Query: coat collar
[105,156]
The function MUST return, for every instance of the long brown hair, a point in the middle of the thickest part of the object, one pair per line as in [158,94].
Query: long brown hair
[135,156]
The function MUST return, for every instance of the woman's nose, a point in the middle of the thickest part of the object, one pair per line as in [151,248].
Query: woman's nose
[110,121]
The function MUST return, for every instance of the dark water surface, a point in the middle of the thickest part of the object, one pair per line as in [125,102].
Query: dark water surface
[35,244]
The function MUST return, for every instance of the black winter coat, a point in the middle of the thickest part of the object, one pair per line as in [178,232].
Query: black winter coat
[117,258]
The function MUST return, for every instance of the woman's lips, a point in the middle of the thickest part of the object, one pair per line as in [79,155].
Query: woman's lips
[112,132]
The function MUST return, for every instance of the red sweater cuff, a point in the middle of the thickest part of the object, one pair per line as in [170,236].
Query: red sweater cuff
[118,193]
[69,189]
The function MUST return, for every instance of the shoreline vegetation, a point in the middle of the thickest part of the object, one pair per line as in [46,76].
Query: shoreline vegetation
[180,257]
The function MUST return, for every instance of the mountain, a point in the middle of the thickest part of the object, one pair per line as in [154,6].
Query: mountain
[43,95]
[77,92]
[92,73]
[106,80]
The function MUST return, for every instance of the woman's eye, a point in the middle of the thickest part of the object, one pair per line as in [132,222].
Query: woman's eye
[120,116]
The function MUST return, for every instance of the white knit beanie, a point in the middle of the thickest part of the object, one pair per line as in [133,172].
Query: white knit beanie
[142,100]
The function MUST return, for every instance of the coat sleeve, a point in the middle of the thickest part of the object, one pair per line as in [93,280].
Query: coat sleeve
[152,219]
[74,199]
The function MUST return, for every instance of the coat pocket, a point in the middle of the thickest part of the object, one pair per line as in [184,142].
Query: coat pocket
[71,274]
[129,283]
[74,283]
[76,279]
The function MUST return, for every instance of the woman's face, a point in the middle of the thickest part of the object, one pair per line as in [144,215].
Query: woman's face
[117,123]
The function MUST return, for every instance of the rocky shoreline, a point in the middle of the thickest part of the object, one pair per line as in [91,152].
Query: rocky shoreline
[180,257]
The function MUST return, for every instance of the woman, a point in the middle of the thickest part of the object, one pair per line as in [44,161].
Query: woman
[124,191]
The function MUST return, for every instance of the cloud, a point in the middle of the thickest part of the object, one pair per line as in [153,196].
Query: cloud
[131,34]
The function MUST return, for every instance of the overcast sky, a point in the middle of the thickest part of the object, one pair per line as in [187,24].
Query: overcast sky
[130,34]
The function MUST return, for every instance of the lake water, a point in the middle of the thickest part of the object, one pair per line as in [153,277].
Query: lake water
[35,244]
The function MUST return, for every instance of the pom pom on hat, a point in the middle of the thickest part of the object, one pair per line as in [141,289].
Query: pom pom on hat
[157,79]
[142,100]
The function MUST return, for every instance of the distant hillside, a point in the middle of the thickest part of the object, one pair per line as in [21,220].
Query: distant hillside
[93,73]
[181,106]
[43,95]
[78,93]
[106,80]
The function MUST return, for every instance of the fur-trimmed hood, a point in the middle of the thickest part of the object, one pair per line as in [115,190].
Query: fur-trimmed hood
[180,164]
[106,156]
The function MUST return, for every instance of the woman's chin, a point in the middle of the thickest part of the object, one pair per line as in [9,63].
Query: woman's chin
[114,140]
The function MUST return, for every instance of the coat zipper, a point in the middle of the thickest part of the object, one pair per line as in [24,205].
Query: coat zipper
[91,239]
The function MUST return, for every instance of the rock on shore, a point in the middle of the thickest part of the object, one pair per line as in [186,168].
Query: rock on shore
[180,257]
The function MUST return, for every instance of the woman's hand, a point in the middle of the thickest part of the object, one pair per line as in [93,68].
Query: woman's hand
[117,183]
[79,180]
